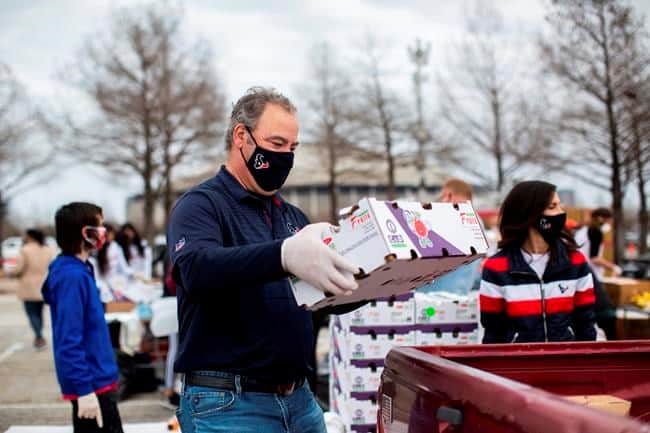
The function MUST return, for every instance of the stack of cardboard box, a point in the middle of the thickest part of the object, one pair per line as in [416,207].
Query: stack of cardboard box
[359,343]
[361,340]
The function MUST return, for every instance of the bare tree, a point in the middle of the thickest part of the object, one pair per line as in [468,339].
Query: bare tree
[380,113]
[491,112]
[588,49]
[329,128]
[635,128]
[639,155]
[191,108]
[22,157]
[158,101]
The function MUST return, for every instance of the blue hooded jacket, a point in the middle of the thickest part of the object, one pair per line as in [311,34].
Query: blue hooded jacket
[83,354]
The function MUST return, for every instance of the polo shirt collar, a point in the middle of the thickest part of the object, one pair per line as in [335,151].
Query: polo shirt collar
[240,193]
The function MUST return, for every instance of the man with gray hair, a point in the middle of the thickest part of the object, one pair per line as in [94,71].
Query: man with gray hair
[245,346]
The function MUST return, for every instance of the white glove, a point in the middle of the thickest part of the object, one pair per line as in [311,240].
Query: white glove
[89,408]
[617,271]
[308,258]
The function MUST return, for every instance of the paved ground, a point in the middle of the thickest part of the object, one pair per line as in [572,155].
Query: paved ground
[29,393]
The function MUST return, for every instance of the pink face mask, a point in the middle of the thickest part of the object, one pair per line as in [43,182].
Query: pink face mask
[95,236]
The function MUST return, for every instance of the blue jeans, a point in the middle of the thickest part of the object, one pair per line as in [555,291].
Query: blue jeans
[212,410]
[34,310]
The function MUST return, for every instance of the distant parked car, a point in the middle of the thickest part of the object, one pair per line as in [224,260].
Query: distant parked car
[10,252]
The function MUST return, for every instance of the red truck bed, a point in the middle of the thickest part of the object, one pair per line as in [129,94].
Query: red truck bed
[514,388]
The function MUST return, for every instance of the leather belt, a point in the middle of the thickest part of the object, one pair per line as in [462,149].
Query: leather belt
[247,384]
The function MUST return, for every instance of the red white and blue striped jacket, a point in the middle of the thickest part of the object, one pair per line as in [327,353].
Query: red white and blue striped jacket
[518,306]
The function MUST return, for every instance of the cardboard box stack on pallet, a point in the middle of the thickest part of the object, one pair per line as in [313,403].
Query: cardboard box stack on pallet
[361,340]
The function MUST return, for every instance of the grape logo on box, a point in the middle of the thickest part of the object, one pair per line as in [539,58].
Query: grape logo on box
[419,227]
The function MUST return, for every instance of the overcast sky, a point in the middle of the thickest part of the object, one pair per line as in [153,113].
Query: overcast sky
[255,43]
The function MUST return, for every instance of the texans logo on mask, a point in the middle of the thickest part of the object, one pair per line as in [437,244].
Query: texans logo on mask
[260,164]
[544,224]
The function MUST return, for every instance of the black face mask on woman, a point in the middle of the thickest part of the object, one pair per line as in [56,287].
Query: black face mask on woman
[550,227]
[270,169]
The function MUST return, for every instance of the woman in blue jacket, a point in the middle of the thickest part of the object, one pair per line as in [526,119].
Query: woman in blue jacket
[538,287]
[85,364]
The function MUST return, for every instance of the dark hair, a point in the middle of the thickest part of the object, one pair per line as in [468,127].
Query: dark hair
[522,209]
[249,108]
[123,240]
[601,212]
[69,221]
[102,254]
[37,235]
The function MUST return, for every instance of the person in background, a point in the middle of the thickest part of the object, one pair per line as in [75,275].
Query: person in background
[466,277]
[455,191]
[83,356]
[538,287]
[31,268]
[590,241]
[135,250]
[114,271]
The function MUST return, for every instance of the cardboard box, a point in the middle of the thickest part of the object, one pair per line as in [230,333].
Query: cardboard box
[607,403]
[119,307]
[354,411]
[621,290]
[446,334]
[443,307]
[359,379]
[371,342]
[400,310]
[361,411]
[400,246]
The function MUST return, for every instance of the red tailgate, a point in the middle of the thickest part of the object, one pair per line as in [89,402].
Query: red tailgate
[507,388]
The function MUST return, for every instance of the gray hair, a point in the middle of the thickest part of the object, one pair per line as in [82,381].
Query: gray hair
[250,107]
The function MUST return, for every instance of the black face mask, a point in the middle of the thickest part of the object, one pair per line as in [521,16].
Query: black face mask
[550,227]
[269,169]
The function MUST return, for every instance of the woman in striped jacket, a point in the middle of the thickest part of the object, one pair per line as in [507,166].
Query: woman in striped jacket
[538,287]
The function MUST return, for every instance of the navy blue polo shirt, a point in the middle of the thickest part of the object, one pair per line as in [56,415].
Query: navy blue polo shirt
[236,310]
